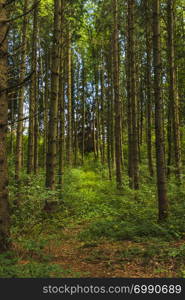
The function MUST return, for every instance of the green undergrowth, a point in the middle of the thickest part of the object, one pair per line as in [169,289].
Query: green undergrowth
[125,214]
[12,266]
[90,199]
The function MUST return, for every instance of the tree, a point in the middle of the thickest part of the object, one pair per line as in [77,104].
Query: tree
[19,141]
[173,92]
[160,156]
[53,110]
[117,104]
[4,204]
[32,135]
[69,95]
[134,155]
[148,23]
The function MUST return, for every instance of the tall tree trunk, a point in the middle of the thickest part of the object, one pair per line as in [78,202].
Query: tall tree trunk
[19,140]
[109,123]
[117,104]
[76,111]
[62,103]
[102,116]
[36,96]
[4,205]
[173,93]
[32,104]
[148,86]
[169,139]
[61,124]
[96,111]
[160,163]
[129,113]
[69,95]
[53,111]
[83,112]
[45,107]
[133,97]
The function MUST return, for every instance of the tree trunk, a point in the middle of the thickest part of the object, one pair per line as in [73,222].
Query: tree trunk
[62,104]
[102,116]
[32,107]
[133,97]
[69,95]
[53,111]
[4,205]
[117,101]
[148,86]
[83,112]
[173,93]
[160,159]
[45,107]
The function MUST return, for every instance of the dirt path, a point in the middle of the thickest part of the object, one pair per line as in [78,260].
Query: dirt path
[104,259]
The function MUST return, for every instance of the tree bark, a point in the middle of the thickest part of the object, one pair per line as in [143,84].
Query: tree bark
[4,204]
[69,95]
[53,110]
[32,104]
[148,85]
[173,92]
[160,159]
[133,97]
[117,101]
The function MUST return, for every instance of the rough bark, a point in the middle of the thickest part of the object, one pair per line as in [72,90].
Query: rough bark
[53,110]
[69,96]
[117,100]
[149,85]
[160,158]
[173,92]
[133,96]
[4,204]
[32,104]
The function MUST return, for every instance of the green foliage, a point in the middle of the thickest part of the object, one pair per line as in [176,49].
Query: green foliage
[90,199]
[126,215]
[11,267]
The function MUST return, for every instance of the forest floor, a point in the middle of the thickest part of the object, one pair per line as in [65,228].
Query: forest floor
[94,230]
[106,258]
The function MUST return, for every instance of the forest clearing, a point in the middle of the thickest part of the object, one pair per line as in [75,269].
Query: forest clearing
[92,145]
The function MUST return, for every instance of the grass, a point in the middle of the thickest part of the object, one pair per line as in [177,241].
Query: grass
[91,200]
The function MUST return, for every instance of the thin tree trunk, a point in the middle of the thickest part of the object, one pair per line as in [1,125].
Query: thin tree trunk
[133,98]
[109,117]
[53,112]
[173,93]
[62,103]
[32,106]
[117,103]
[148,87]
[61,125]
[83,112]
[169,138]
[129,113]
[45,107]
[160,163]
[102,115]
[69,94]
